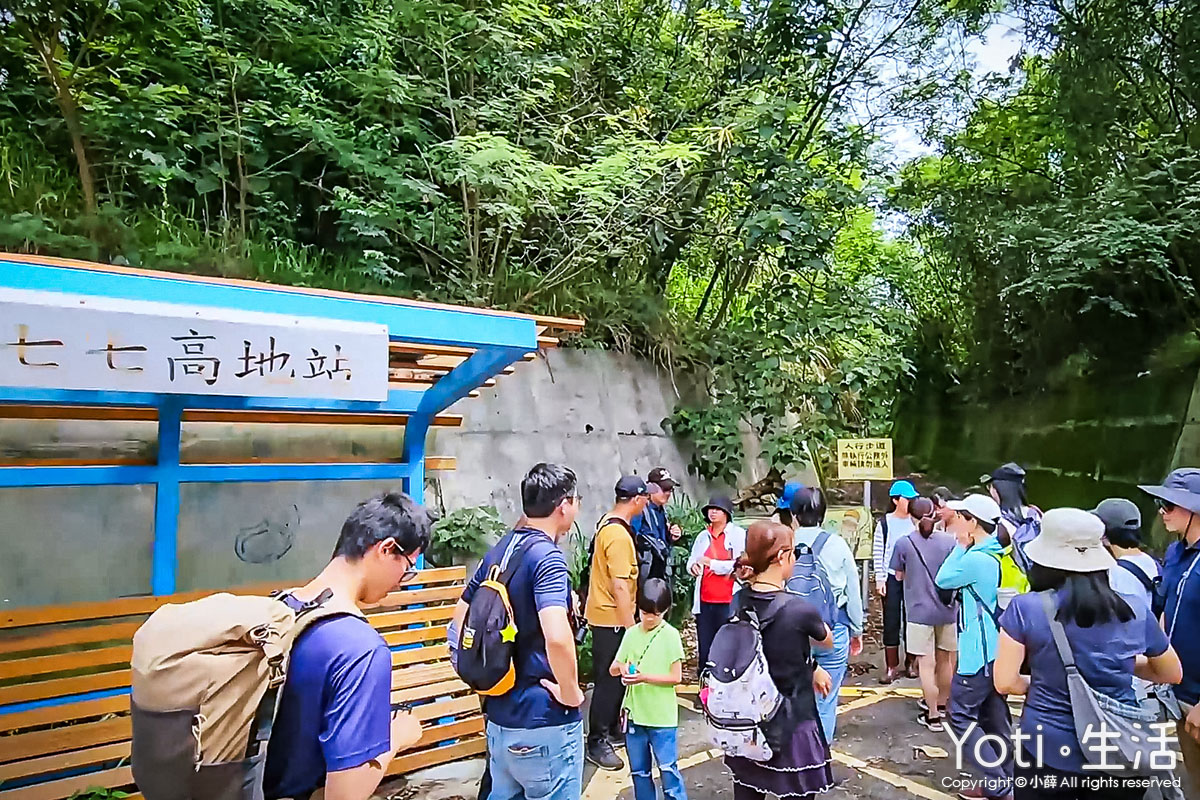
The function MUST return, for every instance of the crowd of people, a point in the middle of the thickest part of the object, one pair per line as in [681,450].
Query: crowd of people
[991,599]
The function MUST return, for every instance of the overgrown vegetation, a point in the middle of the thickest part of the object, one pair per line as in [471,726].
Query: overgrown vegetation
[1060,219]
[680,174]
[701,180]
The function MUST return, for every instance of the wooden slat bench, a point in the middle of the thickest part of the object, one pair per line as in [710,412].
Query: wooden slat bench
[64,686]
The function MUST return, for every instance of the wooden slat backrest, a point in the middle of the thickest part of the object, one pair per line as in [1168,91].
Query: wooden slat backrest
[51,654]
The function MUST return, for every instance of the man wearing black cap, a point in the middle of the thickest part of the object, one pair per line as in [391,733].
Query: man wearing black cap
[612,594]
[1178,500]
[653,521]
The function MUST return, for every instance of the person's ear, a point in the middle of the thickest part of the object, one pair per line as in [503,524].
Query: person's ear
[388,546]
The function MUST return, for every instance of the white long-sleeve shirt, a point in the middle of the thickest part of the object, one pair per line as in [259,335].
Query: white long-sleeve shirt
[881,552]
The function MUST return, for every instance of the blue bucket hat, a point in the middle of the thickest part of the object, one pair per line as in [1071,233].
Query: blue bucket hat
[903,489]
[1181,488]
[789,491]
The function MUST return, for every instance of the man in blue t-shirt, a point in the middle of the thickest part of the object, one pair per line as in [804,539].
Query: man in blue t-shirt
[335,727]
[535,731]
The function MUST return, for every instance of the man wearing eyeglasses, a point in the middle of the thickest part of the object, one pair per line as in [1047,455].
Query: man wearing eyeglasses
[335,727]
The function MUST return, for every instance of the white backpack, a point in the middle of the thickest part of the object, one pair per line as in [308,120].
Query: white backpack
[738,694]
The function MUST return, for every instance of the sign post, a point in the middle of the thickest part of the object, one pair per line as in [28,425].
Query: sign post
[865,460]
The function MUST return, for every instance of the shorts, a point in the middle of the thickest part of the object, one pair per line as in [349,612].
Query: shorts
[920,640]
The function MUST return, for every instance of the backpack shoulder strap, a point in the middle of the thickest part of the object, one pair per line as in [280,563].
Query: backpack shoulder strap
[819,544]
[1060,633]
[1136,571]
[324,606]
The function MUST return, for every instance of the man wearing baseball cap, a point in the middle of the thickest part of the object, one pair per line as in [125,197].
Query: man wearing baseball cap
[653,521]
[1178,501]
[612,593]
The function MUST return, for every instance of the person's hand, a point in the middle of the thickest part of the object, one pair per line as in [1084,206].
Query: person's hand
[696,569]
[881,588]
[632,679]
[571,698]
[1192,724]
[855,645]
[676,532]
[406,730]
[822,682]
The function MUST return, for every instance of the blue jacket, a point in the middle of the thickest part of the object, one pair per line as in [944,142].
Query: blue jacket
[979,568]
[653,522]
[1183,602]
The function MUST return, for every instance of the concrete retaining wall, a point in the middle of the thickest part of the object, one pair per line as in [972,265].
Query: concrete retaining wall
[597,412]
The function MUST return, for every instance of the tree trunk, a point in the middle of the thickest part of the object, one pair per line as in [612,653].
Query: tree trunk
[47,50]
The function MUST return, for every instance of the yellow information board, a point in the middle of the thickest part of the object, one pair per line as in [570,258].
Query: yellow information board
[864,459]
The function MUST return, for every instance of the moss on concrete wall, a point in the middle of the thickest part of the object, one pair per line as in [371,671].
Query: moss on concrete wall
[1081,443]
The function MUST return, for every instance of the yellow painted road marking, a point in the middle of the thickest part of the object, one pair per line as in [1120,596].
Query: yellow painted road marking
[607,785]
[899,781]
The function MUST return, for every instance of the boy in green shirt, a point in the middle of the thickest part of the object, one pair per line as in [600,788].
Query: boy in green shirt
[650,663]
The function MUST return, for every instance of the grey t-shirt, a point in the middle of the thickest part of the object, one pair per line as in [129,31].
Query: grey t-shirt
[920,595]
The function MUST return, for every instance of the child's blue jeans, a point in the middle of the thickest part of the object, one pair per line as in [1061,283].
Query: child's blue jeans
[640,743]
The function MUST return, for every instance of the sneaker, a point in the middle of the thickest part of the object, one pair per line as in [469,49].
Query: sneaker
[601,754]
[974,793]
[932,723]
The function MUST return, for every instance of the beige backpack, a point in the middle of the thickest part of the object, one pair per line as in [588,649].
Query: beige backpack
[206,682]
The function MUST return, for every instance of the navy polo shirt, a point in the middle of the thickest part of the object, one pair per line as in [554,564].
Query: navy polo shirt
[540,581]
[1183,608]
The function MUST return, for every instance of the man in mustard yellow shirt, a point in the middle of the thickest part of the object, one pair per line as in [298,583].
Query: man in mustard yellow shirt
[612,594]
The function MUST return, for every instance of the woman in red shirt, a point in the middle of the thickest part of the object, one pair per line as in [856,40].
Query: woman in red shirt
[711,562]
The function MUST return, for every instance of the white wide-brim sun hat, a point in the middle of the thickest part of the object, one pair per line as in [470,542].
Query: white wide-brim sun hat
[1071,539]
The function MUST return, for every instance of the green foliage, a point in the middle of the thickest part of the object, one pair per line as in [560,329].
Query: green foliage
[99,793]
[464,534]
[684,512]
[655,167]
[1061,215]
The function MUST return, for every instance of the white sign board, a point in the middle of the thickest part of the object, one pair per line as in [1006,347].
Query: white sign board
[61,341]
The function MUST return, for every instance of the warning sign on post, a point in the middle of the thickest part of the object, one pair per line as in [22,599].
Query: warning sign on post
[864,459]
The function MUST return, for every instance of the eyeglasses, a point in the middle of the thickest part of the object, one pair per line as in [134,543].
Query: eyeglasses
[412,570]
[1164,505]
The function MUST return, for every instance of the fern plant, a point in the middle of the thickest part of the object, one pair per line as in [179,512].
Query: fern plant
[465,534]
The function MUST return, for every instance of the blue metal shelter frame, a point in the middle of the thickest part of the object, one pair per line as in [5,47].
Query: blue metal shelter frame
[497,340]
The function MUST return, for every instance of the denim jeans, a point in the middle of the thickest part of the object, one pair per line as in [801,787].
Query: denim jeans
[640,742]
[536,763]
[974,699]
[834,661]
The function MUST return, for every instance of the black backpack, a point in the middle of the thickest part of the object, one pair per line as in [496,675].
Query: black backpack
[585,575]
[653,557]
[1158,592]
[487,642]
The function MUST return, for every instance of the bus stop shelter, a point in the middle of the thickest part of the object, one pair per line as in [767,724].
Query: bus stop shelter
[97,343]
[87,341]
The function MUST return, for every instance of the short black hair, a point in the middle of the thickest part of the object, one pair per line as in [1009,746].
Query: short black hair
[785,516]
[544,488]
[1124,537]
[392,514]
[655,597]
[941,495]
[808,506]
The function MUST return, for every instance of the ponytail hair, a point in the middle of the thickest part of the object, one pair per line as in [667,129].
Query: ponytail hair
[765,540]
